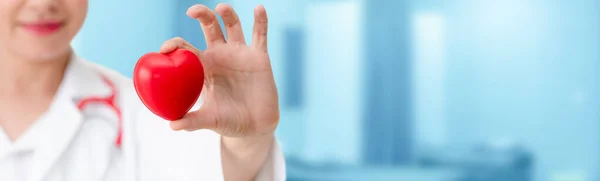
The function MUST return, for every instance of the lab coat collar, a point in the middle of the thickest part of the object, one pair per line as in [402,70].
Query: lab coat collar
[79,81]
[82,80]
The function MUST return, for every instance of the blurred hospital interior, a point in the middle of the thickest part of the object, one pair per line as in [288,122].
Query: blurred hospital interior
[411,90]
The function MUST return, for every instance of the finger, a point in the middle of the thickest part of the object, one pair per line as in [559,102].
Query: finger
[259,37]
[200,119]
[174,43]
[209,23]
[233,27]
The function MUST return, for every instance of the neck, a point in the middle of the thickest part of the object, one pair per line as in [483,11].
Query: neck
[31,79]
[27,89]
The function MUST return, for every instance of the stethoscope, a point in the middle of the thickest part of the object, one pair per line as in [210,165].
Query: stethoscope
[109,102]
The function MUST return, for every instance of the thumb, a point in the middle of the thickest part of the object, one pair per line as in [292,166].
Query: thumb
[200,119]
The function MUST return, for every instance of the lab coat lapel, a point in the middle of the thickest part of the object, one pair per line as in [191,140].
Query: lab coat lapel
[65,118]
[66,122]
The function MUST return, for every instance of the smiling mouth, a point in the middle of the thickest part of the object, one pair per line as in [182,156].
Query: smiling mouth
[43,28]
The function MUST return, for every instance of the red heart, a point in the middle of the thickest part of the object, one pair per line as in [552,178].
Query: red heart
[169,84]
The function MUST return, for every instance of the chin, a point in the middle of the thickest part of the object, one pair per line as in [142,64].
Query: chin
[45,54]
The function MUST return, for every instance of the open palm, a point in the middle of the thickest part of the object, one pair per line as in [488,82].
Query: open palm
[239,96]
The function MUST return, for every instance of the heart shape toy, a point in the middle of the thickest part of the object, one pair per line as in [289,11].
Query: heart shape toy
[169,84]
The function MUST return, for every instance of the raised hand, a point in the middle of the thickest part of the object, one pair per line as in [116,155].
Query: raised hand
[240,97]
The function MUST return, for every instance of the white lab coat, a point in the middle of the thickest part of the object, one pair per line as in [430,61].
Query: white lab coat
[80,145]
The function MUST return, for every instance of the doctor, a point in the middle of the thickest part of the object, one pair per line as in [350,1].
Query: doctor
[63,118]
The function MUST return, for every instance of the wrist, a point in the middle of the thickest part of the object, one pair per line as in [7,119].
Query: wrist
[243,147]
[244,157]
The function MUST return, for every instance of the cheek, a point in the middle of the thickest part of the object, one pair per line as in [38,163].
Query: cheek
[78,8]
[78,12]
[8,9]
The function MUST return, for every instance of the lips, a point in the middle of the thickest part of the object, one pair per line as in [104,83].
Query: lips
[42,28]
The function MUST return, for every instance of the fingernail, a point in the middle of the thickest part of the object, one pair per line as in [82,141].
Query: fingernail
[166,47]
[163,47]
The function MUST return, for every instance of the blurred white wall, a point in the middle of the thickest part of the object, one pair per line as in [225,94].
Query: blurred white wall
[334,82]
[429,69]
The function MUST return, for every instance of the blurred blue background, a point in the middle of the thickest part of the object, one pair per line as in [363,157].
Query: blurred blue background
[416,90]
